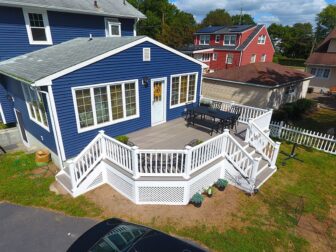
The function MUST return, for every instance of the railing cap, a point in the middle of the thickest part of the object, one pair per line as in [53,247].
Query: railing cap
[135,148]
[188,147]
[101,132]
[227,131]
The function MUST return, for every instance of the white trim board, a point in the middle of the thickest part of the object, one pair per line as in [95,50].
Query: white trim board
[2,114]
[48,79]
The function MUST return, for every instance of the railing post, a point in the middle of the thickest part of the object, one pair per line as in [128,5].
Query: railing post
[255,168]
[275,155]
[225,141]
[188,152]
[103,143]
[135,152]
[248,131]
[280,129]
[72,171]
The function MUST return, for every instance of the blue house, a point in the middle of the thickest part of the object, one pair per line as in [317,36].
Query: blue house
[30,25]
[64,94]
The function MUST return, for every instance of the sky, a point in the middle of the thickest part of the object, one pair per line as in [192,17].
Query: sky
[286,12]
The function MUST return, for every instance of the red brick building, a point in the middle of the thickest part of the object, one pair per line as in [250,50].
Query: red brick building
[222,47]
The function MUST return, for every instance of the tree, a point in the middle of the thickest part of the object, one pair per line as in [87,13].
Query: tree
[326,21]
[245,19]
[217,17]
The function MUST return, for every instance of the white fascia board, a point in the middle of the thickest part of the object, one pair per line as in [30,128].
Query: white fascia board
[45,81]
[203,50]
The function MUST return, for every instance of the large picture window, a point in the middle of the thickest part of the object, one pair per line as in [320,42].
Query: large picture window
[97,106]
[322,73]
[35,106]
[37,27]
[183,89]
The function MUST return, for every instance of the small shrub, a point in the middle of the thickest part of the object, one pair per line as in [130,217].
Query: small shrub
[222,183]
[294,111]
[123,139]
[197,199]
[310,90]
[209,191]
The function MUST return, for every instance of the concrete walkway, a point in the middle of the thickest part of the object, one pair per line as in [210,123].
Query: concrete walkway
[33,230]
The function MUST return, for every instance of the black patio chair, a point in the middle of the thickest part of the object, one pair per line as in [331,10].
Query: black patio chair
[189,111]
[237,111]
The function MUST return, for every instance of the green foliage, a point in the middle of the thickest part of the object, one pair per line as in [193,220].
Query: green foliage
[19,186]
[282,60]
[2,126]
[123,139]
[326,21]
[197,198]
[222,183]
[245,19]
[217,17]
[294,111]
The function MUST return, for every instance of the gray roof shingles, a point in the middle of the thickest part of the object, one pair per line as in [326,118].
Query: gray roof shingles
[37,65]
[250,38]
[117,8]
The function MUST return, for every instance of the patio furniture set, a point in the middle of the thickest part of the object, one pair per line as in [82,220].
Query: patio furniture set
[213,117]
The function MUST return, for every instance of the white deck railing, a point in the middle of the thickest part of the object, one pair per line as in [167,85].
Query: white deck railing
[142,163]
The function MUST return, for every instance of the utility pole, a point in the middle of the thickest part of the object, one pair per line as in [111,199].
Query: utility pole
[241,16]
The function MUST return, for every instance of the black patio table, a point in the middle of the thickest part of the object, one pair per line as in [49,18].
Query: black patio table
[212,113]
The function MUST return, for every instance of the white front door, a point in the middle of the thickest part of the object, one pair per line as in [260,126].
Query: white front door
[158,93]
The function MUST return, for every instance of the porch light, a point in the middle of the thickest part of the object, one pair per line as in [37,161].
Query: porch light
[145,81]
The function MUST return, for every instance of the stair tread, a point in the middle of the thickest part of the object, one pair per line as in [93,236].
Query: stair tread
[63,179]
[263,176]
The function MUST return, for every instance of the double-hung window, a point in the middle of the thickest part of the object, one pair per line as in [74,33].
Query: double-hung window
[263,58]
[322,73]
[98,106]
[113,27]
[204,39]
[217,39]
[183,89]
[253,58]
[229,59]
[35,105]
[38,28]
[230,40]
[262,39]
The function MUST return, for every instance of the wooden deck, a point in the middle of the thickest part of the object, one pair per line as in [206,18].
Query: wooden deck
[176,135]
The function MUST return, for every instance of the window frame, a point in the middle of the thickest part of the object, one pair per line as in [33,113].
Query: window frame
[93,104]
[262,39]
[230,44]
[323,69]
[214,56]
[263,57]
[204,35]
[149,50]
[47,30]
[217,41]
[108,23]
[227,57]
[171,89]
[31,117]
[254,57]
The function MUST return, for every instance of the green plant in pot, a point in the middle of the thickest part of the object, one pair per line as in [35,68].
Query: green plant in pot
[197,199]
[209,192]
[221,184]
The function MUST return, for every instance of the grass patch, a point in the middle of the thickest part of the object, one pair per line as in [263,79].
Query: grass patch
[17,186]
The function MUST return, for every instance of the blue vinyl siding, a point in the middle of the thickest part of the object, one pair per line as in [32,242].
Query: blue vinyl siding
[64,26]
[127,65]
[6,104]
[46,138]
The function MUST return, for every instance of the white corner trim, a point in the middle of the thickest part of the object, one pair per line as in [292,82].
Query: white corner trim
[170,88]
[48,79]
[53,113]
[46,26]
[2,114]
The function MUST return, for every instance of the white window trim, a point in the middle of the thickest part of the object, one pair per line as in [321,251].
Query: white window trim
[263,41]
[111,122]
[171,93]
[217,36]
[29,112]
[263,57]
[254,57]
[230,40]
[201,39]
[226,60]
[149,53]
[108,24]
[46,26]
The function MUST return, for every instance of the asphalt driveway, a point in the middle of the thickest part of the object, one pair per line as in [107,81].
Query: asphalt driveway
[33,230]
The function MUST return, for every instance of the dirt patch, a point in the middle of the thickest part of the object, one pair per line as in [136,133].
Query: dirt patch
[49,170]
[320,235]
[216,211]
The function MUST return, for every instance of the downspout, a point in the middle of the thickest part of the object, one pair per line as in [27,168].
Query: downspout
[135,27]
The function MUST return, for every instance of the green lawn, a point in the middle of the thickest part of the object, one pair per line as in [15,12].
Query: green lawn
[265,222]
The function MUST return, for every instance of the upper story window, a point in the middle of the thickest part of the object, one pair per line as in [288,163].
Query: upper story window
[101,105]
[35,105]
[204,39]
[322,73]
[253,58]
[113,27]
[217,39]
[263,58]
[229,59]
[230,40]
[38,28]
[146,54]
[183,89]
[262,39]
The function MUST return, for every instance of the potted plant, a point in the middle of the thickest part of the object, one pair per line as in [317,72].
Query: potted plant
[209,192]
[123,139]
[221,184]
[197,200]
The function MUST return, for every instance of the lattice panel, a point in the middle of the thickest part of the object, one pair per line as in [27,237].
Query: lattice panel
[96,181]
[167,194]
[121,184]
[205,181]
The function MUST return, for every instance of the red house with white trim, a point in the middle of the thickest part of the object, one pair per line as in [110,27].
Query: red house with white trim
[222,47]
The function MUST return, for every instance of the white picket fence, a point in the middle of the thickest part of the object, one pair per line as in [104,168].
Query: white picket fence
[317,140]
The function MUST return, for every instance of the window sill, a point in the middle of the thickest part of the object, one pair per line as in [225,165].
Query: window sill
[40,43]
[182,104]
[99,126]
[39,124]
